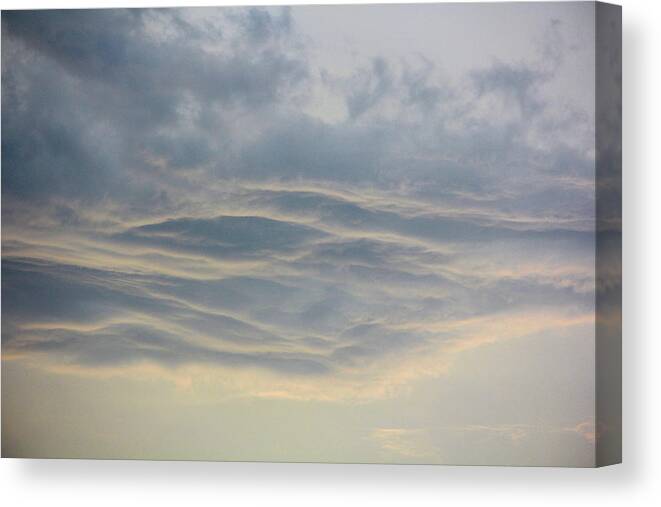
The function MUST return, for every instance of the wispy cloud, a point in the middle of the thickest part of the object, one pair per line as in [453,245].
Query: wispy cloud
[403,442]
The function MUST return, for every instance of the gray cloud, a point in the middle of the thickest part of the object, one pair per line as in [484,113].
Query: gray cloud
[122,345]
[516,83]
[261,25]
[370,87]
[172,193]
[87,94]
[422,91]
[223,236]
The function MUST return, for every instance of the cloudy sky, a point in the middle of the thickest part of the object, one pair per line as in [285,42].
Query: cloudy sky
[359,233]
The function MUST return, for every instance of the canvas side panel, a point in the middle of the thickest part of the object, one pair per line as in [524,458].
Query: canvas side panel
[608,410]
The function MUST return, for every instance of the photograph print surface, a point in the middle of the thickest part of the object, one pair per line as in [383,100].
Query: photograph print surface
[360,233]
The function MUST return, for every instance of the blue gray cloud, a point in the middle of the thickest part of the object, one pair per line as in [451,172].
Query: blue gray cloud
[175,193]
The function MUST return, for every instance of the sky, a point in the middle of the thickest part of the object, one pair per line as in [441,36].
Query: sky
[345,234]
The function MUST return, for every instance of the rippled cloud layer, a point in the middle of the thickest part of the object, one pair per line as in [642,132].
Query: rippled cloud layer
[208,192]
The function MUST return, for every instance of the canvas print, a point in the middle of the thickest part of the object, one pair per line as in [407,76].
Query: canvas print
[342,234]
